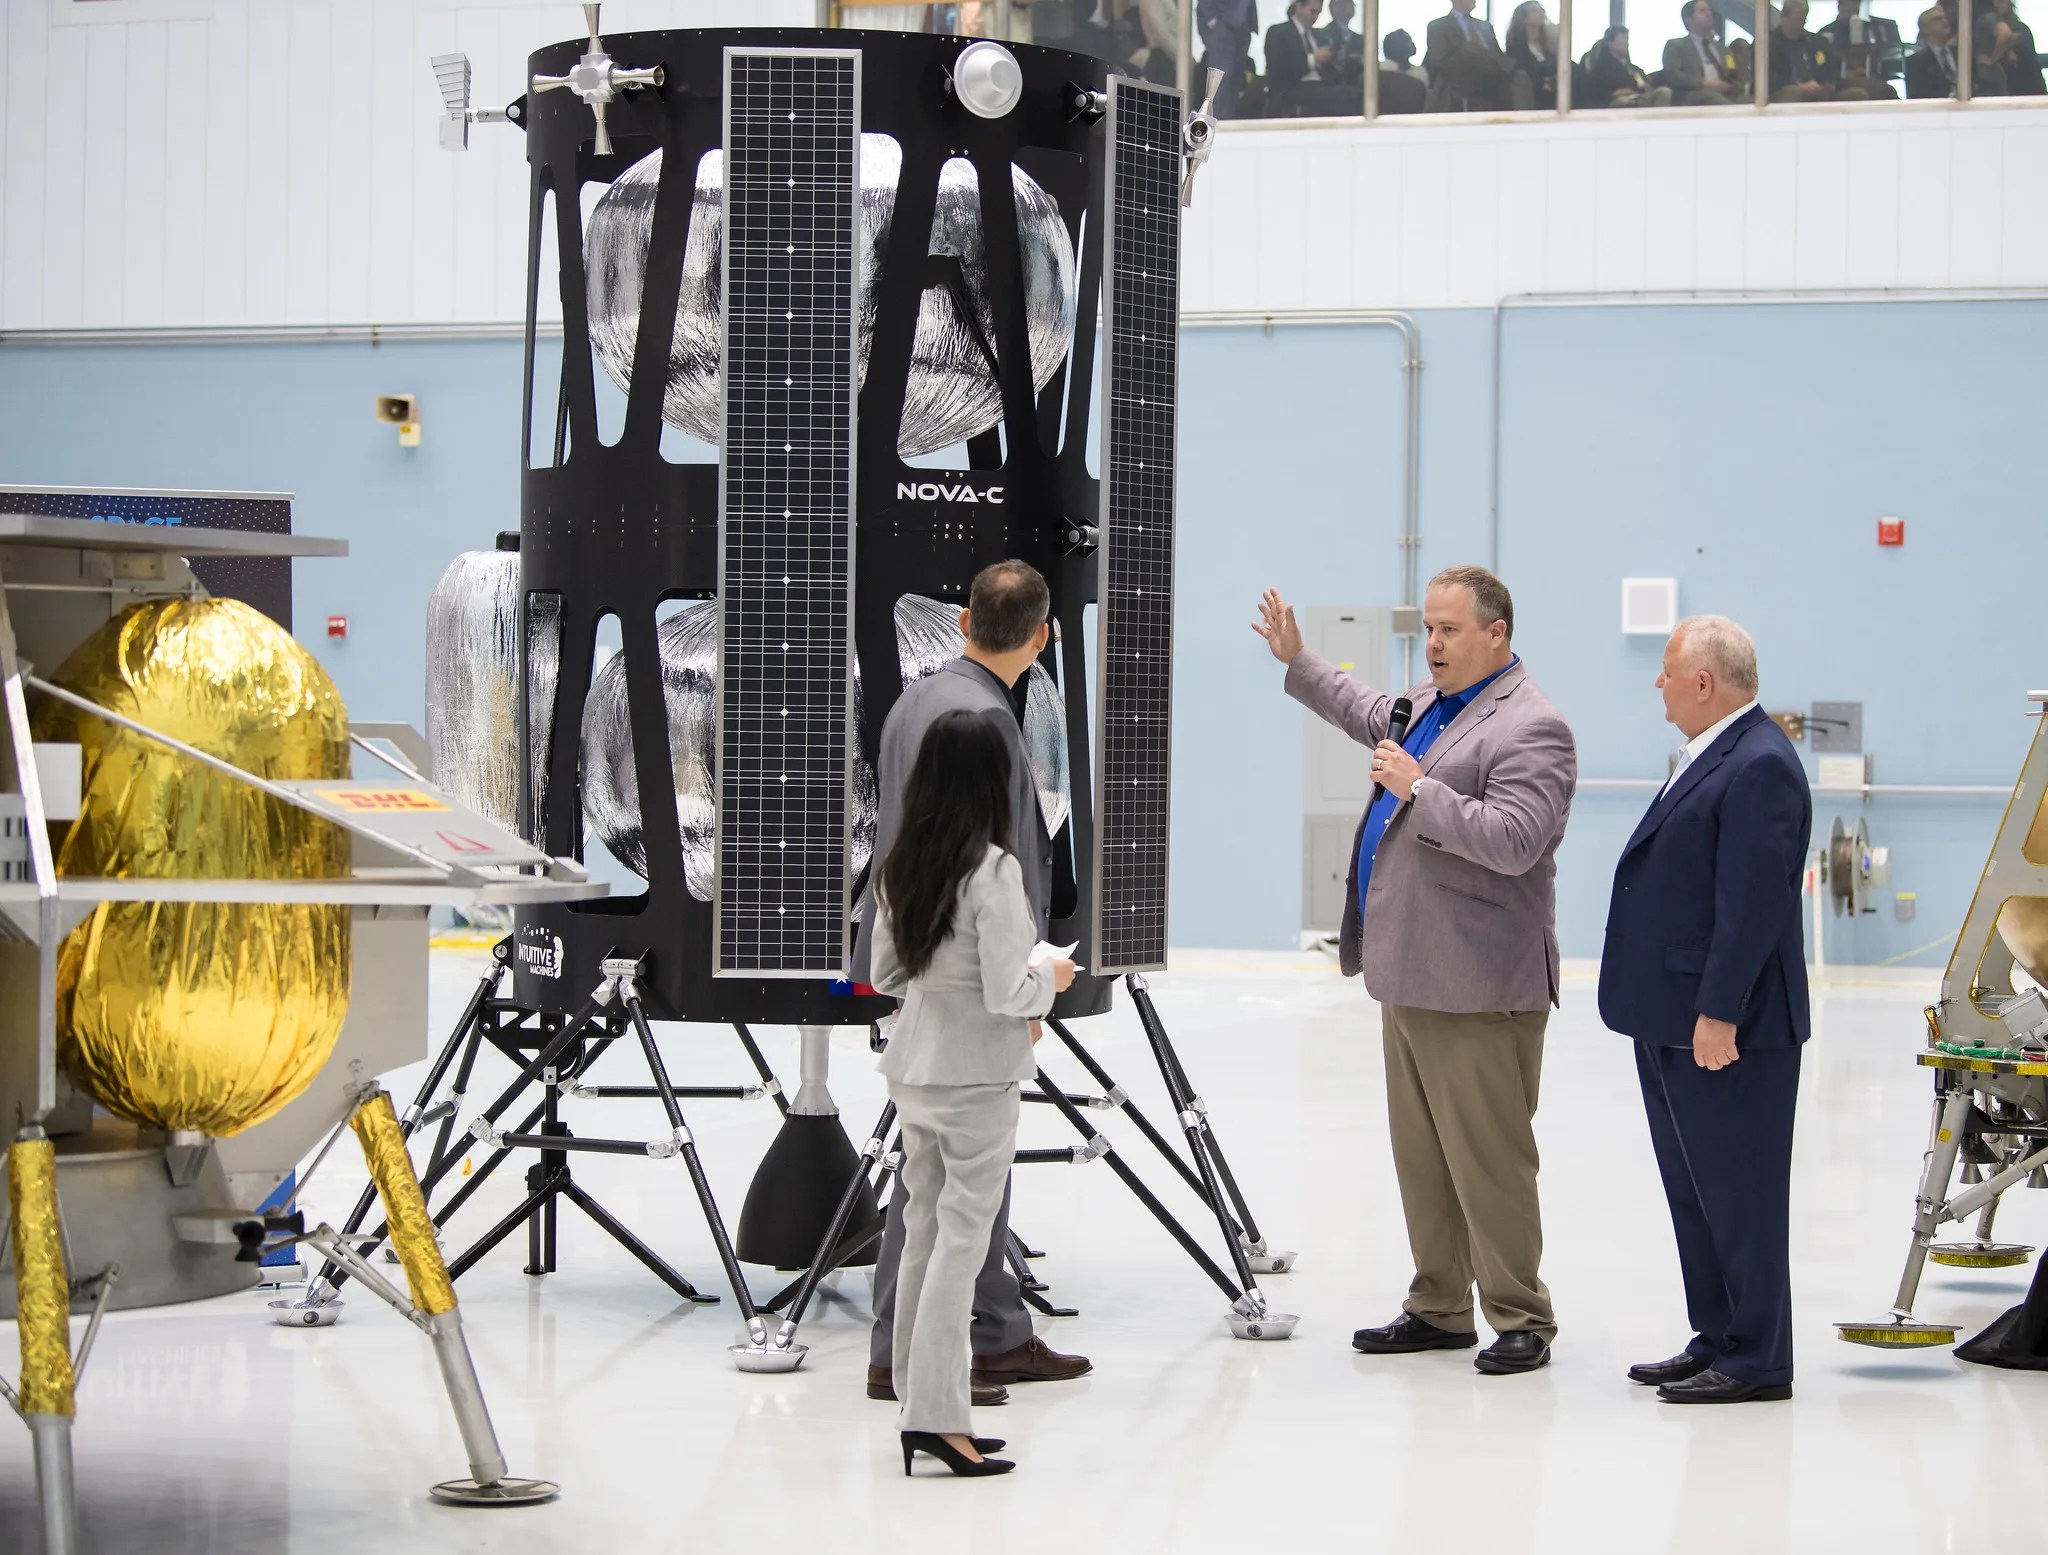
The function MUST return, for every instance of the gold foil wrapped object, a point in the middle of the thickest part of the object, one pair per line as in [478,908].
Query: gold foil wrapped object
[405,1207]
[2023,925]
[200,1015]
[43,1290]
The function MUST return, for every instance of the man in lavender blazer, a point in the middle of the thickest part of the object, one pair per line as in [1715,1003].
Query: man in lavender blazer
[1451,913]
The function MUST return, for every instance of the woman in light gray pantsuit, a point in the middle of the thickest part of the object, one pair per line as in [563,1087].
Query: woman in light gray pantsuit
[953,938]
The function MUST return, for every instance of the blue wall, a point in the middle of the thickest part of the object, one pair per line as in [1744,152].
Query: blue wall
[1748,451]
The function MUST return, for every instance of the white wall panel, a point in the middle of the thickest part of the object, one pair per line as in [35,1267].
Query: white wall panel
[1771,187]
[1330,192]
[1283,228]
[1872,217]
[184,183]
[1523,231]
[1427,204]
[278,163]
[1572,168]
[142,238]
[270,135]
[309,187]
[1925,209]
[62,146]
[2024,228]
[1475,242]
[1671,214]
[1375,226]
[351,96]
[1820,225]
[99,116]
[1722,189]
[1621,215]
[1978,191]
[227,169]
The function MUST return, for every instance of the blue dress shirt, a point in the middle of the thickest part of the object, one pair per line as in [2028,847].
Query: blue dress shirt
[1421,735]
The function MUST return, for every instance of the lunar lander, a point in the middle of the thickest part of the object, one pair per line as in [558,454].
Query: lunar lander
[191,880]
[1987,1043]
[864,270]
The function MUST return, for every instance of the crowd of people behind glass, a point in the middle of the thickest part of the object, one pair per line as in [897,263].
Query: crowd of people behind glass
[1309,64]
[1314,67]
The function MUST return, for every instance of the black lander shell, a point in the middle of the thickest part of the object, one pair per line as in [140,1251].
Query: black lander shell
[618,530]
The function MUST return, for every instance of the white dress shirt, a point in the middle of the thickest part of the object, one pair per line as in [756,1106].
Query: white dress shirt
[1308,50]
[1696,747]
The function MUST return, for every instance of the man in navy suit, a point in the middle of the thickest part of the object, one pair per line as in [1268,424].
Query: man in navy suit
[1705,968]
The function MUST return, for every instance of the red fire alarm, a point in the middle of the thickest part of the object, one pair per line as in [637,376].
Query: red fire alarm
[1891,531]
[337,626]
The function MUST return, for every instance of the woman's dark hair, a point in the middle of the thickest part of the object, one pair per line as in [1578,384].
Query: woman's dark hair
[956,803]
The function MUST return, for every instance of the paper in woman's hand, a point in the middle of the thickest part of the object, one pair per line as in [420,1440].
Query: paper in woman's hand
[1045,951]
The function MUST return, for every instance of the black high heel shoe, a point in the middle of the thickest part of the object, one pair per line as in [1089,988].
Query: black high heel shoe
[987,1444]
[931,1442]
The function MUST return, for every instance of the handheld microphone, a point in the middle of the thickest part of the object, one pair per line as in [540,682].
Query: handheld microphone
[1397,728]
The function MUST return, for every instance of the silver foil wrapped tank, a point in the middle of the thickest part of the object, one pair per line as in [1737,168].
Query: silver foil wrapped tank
[928,638]
[952,394]
[543,676]
[689,683]
[473,685]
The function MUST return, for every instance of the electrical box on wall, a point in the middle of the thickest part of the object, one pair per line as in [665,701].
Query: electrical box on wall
[1891,531]
[1649,606]
[1336,770]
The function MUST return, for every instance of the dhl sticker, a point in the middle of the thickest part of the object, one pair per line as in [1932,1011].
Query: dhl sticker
[384,799]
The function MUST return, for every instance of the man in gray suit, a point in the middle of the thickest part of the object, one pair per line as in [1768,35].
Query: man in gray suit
[1006,628]
[1451,913]
[1468,73]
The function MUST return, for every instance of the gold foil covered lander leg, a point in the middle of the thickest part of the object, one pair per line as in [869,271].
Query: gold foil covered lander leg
[431,1307]
[43,1290]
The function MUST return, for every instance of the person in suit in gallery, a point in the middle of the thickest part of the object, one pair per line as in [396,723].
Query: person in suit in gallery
[1404,85]
[1867,46]
[1451,912]
[1005,627]
[1532,45]
[1226,28]
[1468,71]
[1699,71]
[1931,68]
[1705,967]
[1301,71]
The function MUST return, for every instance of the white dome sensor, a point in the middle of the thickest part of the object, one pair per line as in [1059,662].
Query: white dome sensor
[988,79]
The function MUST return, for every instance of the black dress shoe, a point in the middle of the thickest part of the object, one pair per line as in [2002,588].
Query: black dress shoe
[1408,1334]
[1713,1387]
[1512,1352]
[1682,1367]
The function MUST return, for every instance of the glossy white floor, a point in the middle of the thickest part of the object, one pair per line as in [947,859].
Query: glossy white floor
[206,1429]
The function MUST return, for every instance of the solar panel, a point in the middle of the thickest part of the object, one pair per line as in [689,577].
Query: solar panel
[785,544]
[1134,726]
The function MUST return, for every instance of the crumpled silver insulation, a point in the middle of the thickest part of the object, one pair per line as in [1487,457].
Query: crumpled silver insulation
[689,680]
[543,675]
[928,638]
[473,683]
[952,394]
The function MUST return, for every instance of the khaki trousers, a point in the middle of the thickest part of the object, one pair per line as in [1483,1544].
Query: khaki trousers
[1461,1105]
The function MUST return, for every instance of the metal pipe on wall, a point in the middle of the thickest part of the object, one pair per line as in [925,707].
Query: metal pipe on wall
[1411,450]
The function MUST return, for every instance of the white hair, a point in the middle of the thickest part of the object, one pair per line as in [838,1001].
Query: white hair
[1723,647]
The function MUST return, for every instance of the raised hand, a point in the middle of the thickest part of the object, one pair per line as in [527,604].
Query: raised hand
[1277,625]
